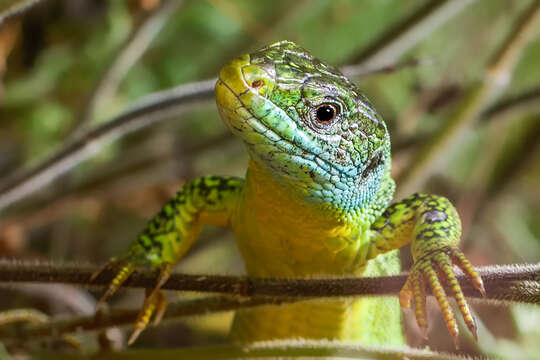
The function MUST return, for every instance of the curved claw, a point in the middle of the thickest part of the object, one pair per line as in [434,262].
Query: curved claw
[405,294]
[432,270]
[155,302]
[445,265]
[124,273]
[461,261]
[439,294]
[419,293]
[161,306]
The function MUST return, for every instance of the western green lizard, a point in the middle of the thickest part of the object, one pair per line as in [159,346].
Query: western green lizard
[315,202]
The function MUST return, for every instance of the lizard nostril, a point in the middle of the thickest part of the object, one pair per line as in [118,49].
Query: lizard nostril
[375,161]
[257,83]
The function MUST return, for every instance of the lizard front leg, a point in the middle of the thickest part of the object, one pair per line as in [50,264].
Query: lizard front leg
[433,226]
[170,234]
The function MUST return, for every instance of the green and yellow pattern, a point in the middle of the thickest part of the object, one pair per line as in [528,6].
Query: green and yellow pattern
[315,202]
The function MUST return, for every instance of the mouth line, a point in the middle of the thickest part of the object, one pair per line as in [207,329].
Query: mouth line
[303,151]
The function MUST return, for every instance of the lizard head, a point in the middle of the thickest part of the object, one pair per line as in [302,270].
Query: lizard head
[305,122]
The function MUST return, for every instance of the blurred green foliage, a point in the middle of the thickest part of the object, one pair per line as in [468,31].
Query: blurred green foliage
[61,49]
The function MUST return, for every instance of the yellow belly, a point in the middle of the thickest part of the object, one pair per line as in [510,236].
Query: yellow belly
[282,235]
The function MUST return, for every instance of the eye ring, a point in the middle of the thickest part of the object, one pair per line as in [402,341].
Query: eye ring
[325,113]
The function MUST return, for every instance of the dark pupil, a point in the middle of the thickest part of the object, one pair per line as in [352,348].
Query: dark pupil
[325,113]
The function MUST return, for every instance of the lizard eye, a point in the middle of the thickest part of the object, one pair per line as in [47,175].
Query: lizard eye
[326,113]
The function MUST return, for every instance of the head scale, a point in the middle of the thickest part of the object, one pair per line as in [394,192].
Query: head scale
[305,122]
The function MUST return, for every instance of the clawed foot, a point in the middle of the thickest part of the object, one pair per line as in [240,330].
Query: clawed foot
[430,269]
[155,301]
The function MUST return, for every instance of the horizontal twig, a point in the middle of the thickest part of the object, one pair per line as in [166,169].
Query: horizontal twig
[201,306]
[493,276]
[519,283]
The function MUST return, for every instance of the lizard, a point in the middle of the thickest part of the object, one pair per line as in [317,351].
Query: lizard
[316,201]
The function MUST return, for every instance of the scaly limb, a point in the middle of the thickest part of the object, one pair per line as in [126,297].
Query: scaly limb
[432,224]
[155,301]
[169,235]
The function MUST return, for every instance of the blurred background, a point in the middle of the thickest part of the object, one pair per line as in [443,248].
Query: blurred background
[69,67]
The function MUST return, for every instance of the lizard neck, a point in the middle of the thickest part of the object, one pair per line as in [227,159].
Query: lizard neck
[357,200]
[271,192]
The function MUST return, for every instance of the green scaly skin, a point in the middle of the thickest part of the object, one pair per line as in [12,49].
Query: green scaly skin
[315,202]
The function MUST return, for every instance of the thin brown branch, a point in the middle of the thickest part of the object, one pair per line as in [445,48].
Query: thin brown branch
[128,54]
[503,290]
[18,9]
[514,283]
[493,276]
[497,77]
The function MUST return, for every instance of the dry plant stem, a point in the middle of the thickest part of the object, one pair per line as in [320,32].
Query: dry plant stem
[304,349]
[410,31]
[504,291]
[494,278]
[161,105]
[128,54]
[18,9]
[504,283]
[479,97]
